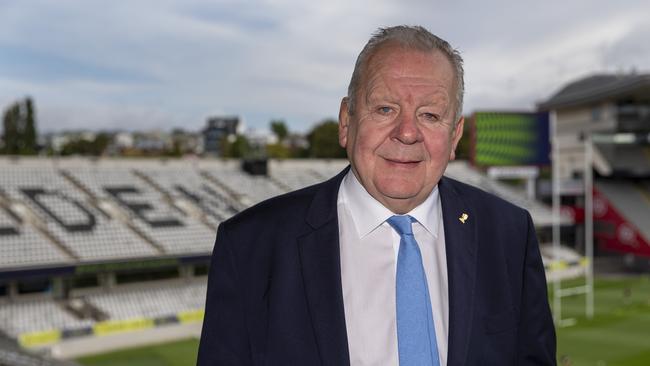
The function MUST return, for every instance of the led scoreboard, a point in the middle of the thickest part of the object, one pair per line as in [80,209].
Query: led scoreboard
[510,138]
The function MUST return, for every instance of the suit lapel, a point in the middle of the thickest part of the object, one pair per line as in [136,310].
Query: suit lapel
[321,271]
[460,243]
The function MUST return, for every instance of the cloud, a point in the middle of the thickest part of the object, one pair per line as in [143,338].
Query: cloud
[172,63]
[630,52]
[524,73]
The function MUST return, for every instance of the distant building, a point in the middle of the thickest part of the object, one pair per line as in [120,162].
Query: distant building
[296,140]
[614,112]
[216,130]
[187,142]
[259,137]
[55,141]
[152,141]
[123,140]
[606,116]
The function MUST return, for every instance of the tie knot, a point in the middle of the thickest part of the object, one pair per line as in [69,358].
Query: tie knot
[401,224]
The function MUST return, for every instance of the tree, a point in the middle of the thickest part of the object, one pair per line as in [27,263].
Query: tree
[279,129]
[29,129]
[11,133]
[324,141]
[100,143]
[19,134]
[82,146]
[237,148]
[278,151]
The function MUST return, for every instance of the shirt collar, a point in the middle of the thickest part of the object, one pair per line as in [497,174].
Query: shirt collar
[368,213]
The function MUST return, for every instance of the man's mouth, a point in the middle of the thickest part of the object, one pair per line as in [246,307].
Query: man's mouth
[402,162]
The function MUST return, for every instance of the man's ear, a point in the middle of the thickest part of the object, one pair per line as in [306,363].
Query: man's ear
[455,137]
[344,122]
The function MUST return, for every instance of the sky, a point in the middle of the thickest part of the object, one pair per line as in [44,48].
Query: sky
[162,64]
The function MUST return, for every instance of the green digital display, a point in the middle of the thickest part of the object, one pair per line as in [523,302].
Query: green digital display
[504,138]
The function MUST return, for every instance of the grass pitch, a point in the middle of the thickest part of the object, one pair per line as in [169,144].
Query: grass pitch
[618,335]
[181,353]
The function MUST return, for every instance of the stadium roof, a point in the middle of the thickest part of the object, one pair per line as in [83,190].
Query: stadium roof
[596,88]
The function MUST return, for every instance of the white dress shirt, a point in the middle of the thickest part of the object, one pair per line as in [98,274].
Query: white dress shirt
[369,248]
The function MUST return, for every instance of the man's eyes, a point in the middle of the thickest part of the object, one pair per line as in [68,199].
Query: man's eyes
[426,116]
[384,110]
[431,116]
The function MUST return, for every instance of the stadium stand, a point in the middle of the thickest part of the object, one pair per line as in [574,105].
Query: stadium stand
[156,301]
[23,245]
[621,208]
[37,315]
[563,263]
[124,245]
[623,160]
[182,183]
[247,189]
[299,174]
[73,223]
[152,215]
[633,198]
[12,355]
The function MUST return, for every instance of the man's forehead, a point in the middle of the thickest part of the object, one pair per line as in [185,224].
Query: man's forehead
[423,89]
[408,67]
[397,52]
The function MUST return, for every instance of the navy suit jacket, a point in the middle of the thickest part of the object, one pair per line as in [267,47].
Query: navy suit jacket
[274,290]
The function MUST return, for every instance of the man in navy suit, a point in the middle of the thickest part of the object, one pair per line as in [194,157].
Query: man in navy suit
[339,273]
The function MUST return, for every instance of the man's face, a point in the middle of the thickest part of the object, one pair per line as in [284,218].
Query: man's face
[402,134]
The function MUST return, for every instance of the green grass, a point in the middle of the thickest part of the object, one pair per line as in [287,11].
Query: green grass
[181,353]
[618,335]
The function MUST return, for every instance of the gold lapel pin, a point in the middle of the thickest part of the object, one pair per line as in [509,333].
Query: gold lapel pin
[463,217]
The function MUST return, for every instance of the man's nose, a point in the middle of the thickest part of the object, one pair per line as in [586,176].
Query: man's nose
[407,130]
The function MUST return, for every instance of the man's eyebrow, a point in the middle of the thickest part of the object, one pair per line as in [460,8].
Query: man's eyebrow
[377,96]
[375,93]
[438,97]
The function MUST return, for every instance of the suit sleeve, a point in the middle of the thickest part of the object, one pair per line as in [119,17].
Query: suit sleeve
[224,338]
[537,341]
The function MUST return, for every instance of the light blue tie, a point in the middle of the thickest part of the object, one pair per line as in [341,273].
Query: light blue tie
[416,336]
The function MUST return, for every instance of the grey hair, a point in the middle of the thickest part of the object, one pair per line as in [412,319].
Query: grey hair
[411,37]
